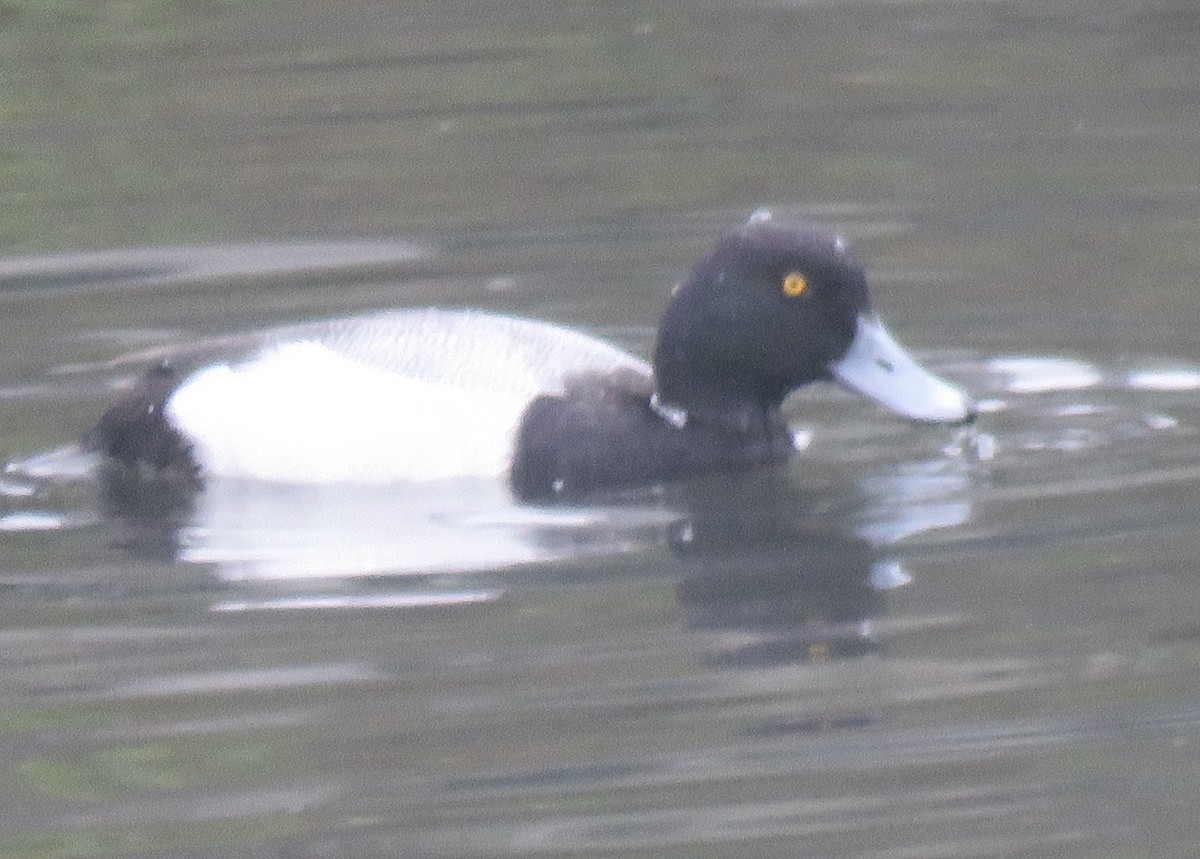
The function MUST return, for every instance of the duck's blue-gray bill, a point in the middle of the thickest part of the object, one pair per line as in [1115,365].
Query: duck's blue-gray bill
[878,367]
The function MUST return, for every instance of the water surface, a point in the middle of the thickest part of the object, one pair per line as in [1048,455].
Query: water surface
[906,642]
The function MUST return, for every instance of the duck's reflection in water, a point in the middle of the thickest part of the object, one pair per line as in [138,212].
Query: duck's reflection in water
[811,599]
[777,570]
[783,574]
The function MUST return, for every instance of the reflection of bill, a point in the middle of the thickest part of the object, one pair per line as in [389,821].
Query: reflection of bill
[912,499]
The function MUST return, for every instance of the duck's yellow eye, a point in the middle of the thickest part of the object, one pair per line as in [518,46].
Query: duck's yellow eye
[794,284]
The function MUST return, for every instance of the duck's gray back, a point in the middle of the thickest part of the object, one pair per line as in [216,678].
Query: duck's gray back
[467,349]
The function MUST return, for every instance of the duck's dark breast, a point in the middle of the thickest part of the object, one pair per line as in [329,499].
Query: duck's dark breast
[603,434]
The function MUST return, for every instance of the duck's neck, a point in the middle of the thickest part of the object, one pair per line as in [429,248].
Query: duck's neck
[699,384]
[737,415]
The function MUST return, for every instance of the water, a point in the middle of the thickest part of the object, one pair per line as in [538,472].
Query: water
[906,642]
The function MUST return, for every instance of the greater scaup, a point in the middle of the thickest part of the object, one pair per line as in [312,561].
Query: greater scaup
[428,394]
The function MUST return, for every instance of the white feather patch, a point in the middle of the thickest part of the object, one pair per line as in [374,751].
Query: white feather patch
[418,395]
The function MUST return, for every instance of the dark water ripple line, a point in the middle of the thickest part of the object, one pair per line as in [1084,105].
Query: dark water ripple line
[836,752]
[737,821]
[156,267]
[350,63]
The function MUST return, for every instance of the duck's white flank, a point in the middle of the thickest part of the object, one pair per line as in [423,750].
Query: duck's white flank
[410,395]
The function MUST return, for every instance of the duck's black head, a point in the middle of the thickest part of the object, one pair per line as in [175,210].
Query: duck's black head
[774,306]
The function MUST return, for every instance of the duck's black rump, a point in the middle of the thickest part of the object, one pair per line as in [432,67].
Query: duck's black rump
[135,433]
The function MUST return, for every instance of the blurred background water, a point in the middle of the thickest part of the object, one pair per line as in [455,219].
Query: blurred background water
[904,643]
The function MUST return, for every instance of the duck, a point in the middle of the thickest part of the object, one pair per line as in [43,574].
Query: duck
[433,394]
